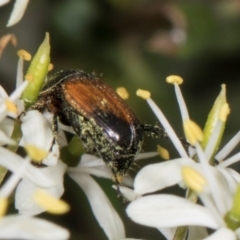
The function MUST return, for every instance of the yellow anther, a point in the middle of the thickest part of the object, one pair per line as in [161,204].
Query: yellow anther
[11,107]
[174,79]
[119,178]
[50,67]
[24,54]
[50,203]
[143,94]
[29,77]
[224,112]
[35,153]
[192,131]
[122,92]
[3,206]
[193,179]
[163,152]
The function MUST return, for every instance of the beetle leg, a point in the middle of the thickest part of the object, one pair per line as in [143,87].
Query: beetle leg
[154,131]
[55,129]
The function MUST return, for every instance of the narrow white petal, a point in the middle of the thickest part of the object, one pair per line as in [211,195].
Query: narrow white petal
[228,147]
[23,227]
[19,77]
[169,211]
[18,11]
[197,233]
[127,193]
[6,125]
[233,159]
[3,93]
[25,190]
[157,176]
[98,172]
[4,139]
[2,2]
[103,210]
[13,162]
[146,155]
[168,233]
[222,234]
[88,160]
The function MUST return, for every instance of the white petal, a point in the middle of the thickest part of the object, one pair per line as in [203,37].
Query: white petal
[98,172]
[158,176]
[222,234]
[168,233]
[91,165]
[197,233]
[6,126]
[88,160]
[4,139]
[13,162]
[127,193]
[23,227]
[169,211]
[3,93]
[103,210]
[36,130]
[18,11]
[2,2]
[53,156]
[25,190]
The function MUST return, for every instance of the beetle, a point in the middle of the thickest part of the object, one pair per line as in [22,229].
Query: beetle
[104,122]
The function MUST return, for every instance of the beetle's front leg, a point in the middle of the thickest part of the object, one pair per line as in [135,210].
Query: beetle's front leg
[154,131]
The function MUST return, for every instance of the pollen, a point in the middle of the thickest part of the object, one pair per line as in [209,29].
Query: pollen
[11,107]
[24,54]
[50,203]
[122,92]
[50,67]
[193,179]
[174,79]
[29,77]
[163,152]
[143,94]
[35,153]
[224,112]
[192,131]
[3,206]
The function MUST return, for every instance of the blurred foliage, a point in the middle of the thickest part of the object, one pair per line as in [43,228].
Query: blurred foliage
[136,44]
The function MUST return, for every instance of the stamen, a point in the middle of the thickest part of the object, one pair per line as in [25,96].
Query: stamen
[50,67]
[35,153]
[50,203]
[29,77]
[169,130]
[193,179]
[224,112]
[11,107]
[192,131]
[143,94]
[3,206]
[122,92]
[24,55]
[163,152]
[174,79]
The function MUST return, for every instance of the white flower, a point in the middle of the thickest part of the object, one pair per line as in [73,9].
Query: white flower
[24,227]
[216,186]
[18,11]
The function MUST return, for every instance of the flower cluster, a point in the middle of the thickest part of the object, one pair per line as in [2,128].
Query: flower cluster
[216,185]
